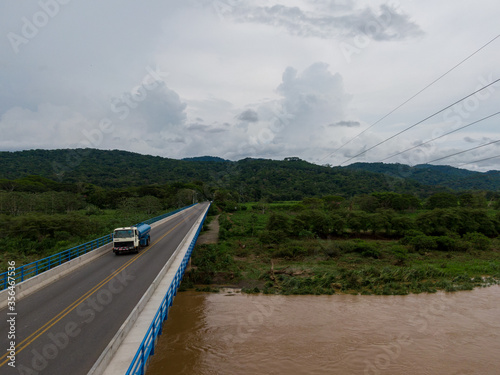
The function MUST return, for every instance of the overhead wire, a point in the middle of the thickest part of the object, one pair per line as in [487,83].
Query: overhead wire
[418,123]
[441,136]
[462,152]
[411,98]
[480,160]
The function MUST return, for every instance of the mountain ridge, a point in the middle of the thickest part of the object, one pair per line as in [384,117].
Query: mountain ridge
[436,175]
[288,179]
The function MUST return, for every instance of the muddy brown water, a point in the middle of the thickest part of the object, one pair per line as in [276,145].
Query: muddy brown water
[233,333]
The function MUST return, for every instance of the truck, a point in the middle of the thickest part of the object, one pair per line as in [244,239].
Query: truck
[131,239]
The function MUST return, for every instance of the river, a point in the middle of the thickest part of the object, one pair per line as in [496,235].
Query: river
[233,333]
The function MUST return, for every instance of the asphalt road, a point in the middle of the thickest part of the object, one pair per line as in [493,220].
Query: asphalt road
[64,327]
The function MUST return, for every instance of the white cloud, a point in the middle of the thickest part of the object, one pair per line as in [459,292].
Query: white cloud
[47,126]
[266,78]
[386,23]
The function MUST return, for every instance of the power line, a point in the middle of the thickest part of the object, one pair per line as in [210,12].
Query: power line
[411,98]
[418,123]
[480,160]
[461,152]
[441,136]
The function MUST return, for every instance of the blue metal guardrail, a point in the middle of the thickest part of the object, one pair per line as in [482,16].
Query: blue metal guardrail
[35,268]
[147,347]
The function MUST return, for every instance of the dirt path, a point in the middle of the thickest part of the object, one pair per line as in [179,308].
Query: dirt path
[211,235]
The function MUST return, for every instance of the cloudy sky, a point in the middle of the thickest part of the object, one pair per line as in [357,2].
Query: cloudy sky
[263,78]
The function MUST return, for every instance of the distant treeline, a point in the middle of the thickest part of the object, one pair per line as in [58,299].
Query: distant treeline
[252,179]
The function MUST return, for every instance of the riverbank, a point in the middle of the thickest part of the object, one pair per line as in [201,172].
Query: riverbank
[250,256]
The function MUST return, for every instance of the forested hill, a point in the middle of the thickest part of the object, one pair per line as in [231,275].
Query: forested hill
[436,175]
[103,168]
[253,179]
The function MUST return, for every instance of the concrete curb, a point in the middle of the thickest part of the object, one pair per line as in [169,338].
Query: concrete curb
[117,356]
[38,282]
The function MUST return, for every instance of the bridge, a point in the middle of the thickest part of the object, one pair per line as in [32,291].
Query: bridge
[98,313]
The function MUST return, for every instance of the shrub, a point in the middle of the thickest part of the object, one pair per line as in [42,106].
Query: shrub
[409,235]
[331,250]
[223,234]
[298,225]
[278,221]
[371,253]
[290,252]
[304,233]
[346,246]
[445,243]
[269,237]
[400,252]
[209,260]
[224,222]
[423,243]
[478,240]
[364,248]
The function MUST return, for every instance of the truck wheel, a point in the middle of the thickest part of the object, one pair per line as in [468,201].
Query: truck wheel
[149,240]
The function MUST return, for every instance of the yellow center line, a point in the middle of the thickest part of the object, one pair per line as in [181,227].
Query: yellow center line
[27,341]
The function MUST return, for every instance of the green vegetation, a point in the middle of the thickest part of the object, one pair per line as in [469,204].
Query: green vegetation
[314,247]
[248,179]
[37,222]
[29,237]
[366,228]
[436,175]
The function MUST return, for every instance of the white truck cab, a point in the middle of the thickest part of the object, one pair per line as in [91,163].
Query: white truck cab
[130,239]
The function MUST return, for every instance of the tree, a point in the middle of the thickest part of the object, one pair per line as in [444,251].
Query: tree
[401,224]
[476,220]
[439,221]
[358,221]
[149,204]
[315,221]
[442,200]
[313,202]
[376,222]
[337,224]
[471,200]
[367,203]
[333,202]
[278,222]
